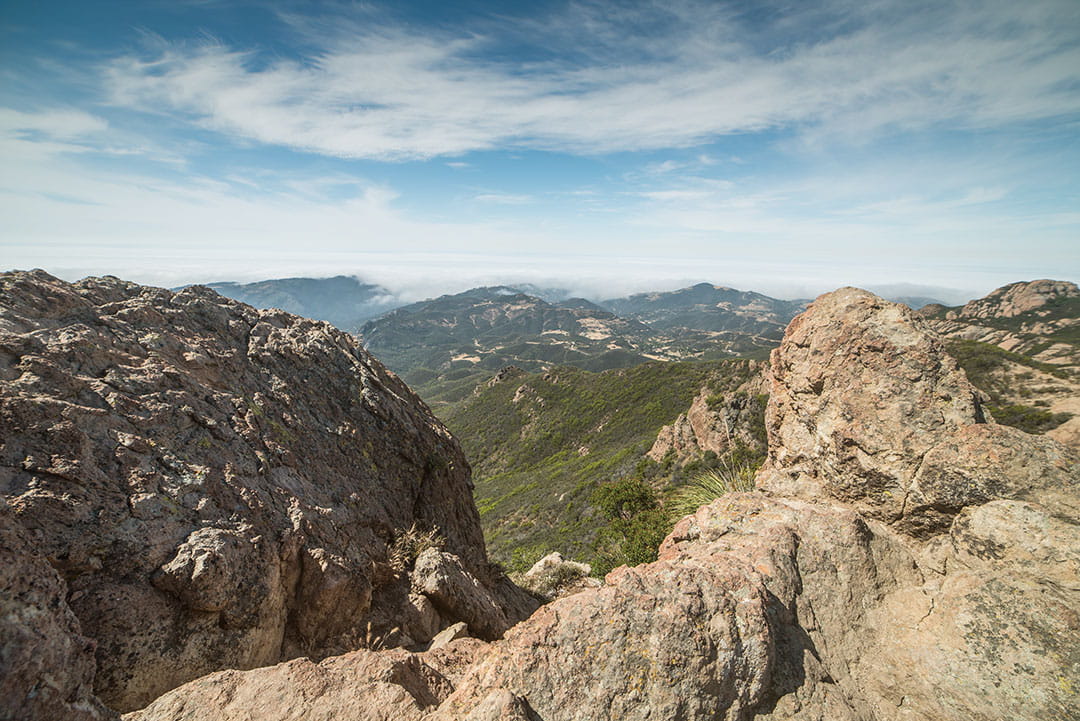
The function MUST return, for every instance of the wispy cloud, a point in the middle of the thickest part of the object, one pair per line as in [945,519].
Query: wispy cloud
[55,124]
[692,72]
[503,198]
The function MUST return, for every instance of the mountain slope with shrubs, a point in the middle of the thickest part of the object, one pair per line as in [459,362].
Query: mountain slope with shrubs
[542,444]
[1020,344]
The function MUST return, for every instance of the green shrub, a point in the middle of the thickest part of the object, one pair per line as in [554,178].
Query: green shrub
[708,486]
[636,525]
[1028,418]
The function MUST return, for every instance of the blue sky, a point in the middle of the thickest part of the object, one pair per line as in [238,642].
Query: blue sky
[787,147]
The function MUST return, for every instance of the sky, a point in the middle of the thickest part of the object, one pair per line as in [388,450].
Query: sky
[787,146]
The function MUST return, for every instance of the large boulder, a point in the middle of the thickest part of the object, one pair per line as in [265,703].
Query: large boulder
[867,408]
[220,487]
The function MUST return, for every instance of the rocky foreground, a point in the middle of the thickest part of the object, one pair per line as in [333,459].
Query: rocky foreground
[191,484]
[904,558]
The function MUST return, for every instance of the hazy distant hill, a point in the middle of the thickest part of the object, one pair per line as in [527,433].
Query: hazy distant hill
[915,302]
[444,347]
[465,338]
[706,307]
[342,300]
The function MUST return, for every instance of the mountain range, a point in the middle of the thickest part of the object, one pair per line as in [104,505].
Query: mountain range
[444,346]
[439,342]
[542,442]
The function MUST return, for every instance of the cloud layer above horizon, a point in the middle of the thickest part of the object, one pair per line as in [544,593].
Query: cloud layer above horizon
[935,141]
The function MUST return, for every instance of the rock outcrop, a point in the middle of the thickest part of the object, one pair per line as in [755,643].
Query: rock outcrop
[1036,324]
[219,486]
[1016,299]
[718,419]
[868,409]
[554,577]
[392,685]
[829,600]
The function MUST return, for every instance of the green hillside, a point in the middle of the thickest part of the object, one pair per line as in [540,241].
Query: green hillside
[541,443]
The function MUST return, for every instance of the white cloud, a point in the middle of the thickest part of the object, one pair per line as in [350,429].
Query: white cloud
[58,124]
[388,92]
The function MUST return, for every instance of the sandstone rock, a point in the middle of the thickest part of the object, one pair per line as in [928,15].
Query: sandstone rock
[46,664]
[554,576]
[505,373]
[500,705]
[867,408]
[667,640]
[448,635]
[458,594]
[555,560]
[219,485]
[1017,298]
[379,685]
[857,615]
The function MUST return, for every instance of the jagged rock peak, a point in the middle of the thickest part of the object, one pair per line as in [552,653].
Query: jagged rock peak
[504,373]
[220,486]
[1017,298]
[867,408]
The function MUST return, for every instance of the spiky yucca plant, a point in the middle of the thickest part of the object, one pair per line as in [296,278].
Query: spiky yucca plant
[706,487]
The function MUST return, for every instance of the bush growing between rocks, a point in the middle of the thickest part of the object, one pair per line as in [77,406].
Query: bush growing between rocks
[636,524]
[706,487]
[409,544]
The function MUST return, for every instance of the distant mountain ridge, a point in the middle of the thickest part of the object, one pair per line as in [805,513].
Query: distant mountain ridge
[445,346]
[707,307]
[462,339]
[1020,344]
[342,300]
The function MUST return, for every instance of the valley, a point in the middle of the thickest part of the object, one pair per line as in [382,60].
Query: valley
[555,397]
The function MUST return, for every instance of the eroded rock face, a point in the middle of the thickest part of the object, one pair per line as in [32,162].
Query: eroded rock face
[46,664]
[867,408]
[674,639]
[217,485]
[866,629]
